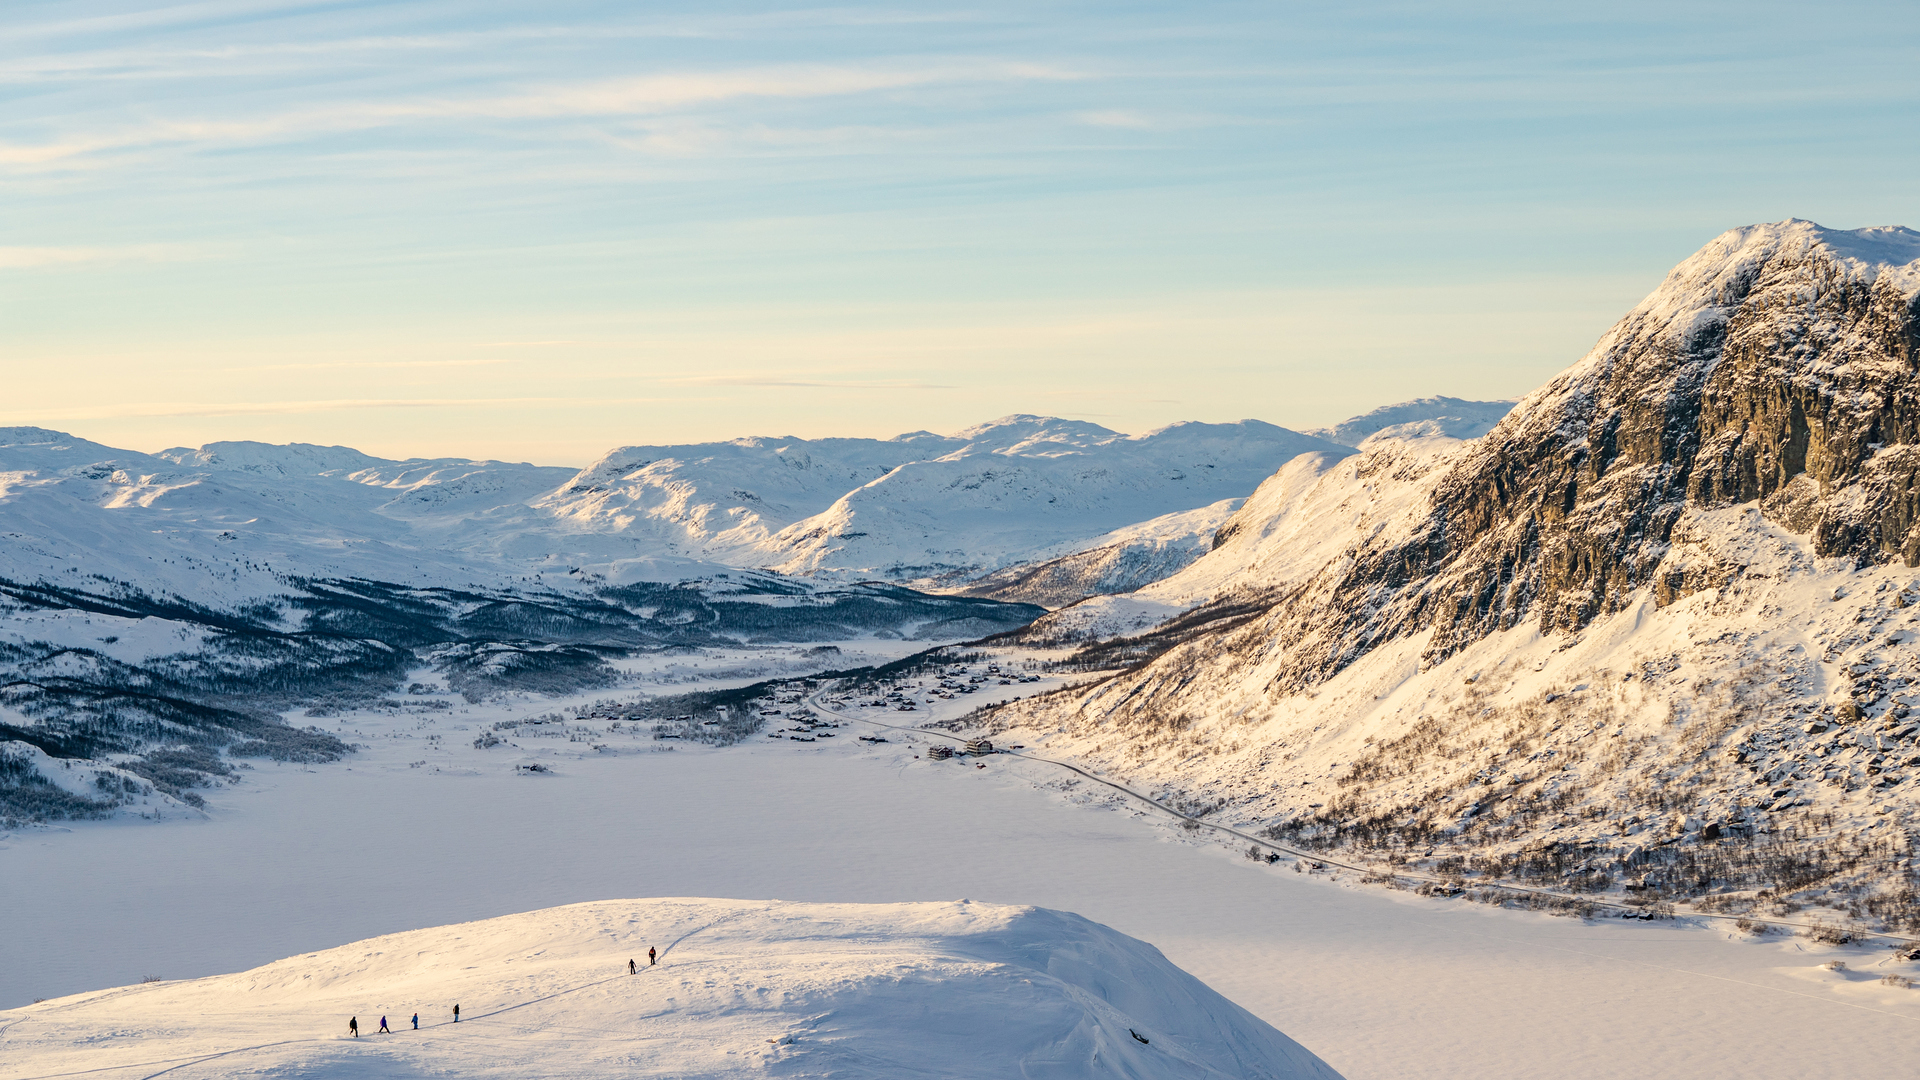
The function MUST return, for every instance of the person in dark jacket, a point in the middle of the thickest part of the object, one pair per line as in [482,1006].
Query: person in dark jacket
[383,1026]
[652,957]
[456,1014]
[632,968]
[353,1025]
[416,1021]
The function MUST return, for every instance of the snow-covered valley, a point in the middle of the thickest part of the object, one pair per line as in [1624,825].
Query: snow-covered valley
[1339,721]
[296,859]
[160,613]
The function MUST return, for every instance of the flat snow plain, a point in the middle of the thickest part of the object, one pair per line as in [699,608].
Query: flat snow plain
[1377,983]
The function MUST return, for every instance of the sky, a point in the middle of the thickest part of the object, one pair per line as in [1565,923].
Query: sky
[536,231]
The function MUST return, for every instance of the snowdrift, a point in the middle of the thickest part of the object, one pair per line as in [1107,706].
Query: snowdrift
[742,988]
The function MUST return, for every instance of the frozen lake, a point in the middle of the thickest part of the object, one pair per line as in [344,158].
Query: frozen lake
[1379,984]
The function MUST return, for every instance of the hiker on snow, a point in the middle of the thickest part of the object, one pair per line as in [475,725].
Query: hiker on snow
[652,957]
[383,1026]
[416,1021]
[353,1025]
[456,1014]
[631,969]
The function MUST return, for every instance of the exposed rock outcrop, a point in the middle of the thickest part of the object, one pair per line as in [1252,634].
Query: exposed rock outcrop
[1777,364]
[1655,626]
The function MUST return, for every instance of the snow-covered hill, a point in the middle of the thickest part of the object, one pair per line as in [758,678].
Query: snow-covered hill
[742,988]
[1119,562]
[159,613]
[1420,418]
[931,510]
[182,602]
[1654,627]
[919,508]
[1150,553]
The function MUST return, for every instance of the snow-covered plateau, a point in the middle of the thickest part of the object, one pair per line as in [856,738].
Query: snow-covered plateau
[716,988]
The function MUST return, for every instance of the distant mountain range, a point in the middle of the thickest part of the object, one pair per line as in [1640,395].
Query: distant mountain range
[938,510]
[178,603]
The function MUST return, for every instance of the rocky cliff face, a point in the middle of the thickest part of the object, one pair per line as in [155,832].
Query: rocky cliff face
[1655,627]
[1777,364]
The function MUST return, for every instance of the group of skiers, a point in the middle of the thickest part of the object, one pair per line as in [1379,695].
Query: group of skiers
[353,1023]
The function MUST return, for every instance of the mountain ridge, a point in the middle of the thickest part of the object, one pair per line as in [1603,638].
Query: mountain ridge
[1653,626]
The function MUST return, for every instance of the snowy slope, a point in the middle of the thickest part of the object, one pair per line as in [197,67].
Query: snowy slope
[1420,418]
[720,500]
[1656,626]
[918,507]
[228,522]
[743,988]
[158,613]
[1118,562]
[1287,531]
[1024,485]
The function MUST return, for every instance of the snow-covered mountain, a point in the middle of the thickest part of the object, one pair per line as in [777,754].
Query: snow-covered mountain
[741,988]
[919,508]
[1142,555]
[189,598]
[1118,562]
[159,611]
[1654,625]
[1420,418]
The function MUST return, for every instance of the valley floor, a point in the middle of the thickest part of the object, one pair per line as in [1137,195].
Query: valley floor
[1379,984]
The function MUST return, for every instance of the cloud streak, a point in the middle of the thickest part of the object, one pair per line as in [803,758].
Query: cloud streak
[163,409]
[632,96]
[36,258]
[761,380]
[327,365]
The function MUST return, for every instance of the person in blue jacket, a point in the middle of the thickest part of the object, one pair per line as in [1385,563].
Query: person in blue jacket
[416,1021]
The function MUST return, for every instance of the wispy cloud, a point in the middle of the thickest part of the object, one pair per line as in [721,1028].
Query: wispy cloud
[1121,118]
[159,409]
[556,341]
[765,380]
[634,96]
[324,365]
[32,258]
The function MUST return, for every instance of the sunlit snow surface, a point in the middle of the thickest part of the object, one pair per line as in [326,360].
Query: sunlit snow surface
[1378,984]
[953,989]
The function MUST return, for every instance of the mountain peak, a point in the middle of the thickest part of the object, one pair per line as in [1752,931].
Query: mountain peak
[1024,426]
[1449,416]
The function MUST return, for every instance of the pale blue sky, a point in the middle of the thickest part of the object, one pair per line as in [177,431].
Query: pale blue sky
[538,231]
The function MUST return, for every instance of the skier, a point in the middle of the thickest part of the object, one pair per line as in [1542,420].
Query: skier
[652,957]
[632,969]
[416,1021]
[353,1025]
[383,1026]
[456,1014]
